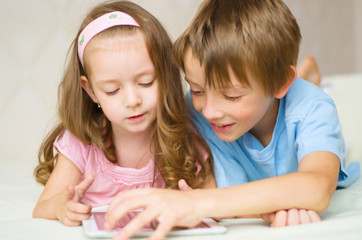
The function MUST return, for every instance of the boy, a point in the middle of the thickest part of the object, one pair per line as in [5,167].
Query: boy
[275,138]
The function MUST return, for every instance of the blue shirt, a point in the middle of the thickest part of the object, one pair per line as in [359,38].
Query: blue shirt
[307,122]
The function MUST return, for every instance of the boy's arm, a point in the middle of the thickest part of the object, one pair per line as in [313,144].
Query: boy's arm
[309,188]
[61,196]
[279,218]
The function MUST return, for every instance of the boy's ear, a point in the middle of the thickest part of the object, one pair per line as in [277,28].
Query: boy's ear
[88,88]
[281,93]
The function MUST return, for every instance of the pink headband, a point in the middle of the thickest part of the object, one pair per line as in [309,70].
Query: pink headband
[100,24]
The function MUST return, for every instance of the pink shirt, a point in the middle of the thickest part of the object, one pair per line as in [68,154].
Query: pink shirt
[109,177]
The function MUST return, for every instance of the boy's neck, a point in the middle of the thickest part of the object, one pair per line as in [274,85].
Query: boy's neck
[263,130]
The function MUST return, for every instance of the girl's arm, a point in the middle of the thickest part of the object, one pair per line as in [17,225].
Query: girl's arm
[309,188]
[62,194]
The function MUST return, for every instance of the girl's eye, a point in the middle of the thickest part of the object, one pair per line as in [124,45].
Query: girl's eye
[112,92]
[196,93]
[148,84]
[233,99]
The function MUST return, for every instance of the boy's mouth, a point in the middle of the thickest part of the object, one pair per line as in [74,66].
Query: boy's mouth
[221,127]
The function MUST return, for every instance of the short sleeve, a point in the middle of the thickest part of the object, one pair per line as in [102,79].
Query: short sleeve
[74,149]
[321,131]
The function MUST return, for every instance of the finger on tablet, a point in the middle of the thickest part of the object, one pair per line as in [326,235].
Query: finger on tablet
[129,195]
[162,229]
[137,223]
[117,210]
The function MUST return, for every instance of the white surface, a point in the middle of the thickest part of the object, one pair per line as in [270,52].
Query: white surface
[343,219]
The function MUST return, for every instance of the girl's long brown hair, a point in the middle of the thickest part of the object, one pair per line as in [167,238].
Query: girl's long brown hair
[174,138]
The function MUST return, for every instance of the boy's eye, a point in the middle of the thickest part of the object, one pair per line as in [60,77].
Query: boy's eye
[233,99]
[196,93]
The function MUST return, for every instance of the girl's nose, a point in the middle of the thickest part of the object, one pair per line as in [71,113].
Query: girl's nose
[131,97]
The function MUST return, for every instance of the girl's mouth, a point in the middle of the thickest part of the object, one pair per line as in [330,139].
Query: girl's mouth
[136,117]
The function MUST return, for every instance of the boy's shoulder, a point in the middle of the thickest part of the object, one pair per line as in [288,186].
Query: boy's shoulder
[303,95]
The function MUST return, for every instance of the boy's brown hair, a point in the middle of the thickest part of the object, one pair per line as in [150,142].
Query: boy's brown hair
[258,36]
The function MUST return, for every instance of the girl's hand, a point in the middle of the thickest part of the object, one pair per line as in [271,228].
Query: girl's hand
[183,186]
[164,205]
[70,210]
[291,217]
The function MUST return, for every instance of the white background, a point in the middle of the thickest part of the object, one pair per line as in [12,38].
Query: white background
[35,36]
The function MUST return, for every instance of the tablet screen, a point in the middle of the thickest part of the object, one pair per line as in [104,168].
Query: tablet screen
[94,227]
[100,216]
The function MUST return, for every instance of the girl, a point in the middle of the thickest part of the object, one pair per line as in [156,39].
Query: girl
[123,119]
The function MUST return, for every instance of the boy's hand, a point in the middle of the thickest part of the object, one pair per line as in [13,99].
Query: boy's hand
[164,205]
[291,217]
[70,210]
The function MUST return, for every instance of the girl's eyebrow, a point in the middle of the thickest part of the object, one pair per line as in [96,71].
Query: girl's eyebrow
[137,76]
[145,73]
[106,81]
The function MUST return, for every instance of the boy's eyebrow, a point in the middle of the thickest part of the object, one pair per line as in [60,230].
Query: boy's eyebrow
[193,83]
[230,86]
[190,81]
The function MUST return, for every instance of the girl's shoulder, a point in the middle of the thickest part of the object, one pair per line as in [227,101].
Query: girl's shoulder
[75,149]
[68,140]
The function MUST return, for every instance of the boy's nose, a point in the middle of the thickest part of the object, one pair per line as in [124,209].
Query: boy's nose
[210,109]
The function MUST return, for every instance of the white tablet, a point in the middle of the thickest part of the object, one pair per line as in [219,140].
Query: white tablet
[93,227]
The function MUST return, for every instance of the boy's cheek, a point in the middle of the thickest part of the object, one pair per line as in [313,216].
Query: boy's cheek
[197,104]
